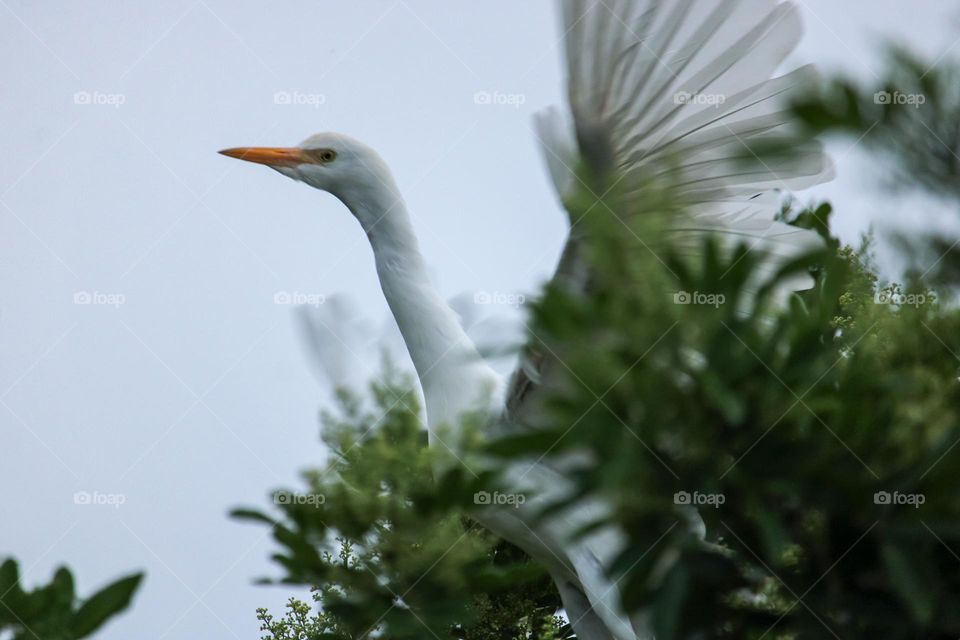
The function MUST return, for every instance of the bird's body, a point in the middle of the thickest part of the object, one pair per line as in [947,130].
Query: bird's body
[637,74]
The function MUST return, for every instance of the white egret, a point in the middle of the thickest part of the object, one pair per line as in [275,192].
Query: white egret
[647,80]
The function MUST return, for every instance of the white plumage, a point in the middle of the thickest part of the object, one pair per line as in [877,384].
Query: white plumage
[649,81]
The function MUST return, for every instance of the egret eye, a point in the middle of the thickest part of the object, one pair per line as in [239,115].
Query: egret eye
[327,155]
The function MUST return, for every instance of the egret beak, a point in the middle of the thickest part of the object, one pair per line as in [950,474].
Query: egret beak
[270,156]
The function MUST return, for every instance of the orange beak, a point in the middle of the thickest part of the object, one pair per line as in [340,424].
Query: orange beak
[270,156]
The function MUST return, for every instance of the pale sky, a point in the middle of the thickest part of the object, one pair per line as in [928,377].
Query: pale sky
[182,387]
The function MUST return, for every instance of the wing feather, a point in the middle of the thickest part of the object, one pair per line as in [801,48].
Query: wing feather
[683,90]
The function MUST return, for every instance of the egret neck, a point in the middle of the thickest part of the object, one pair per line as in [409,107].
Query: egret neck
[454,377]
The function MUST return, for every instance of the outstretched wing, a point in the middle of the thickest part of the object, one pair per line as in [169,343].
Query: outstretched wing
[684,84]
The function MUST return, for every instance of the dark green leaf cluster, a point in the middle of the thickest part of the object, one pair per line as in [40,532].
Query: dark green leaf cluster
[53,611]
[381,534]
[910,121]
[815,438]
[910,117]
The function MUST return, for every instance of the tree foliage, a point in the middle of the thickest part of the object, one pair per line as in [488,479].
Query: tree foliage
[816,437]
[53,611]
[384,538]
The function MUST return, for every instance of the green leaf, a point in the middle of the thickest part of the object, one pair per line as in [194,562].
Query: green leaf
[64,585]
[11,595]
[724,398]
[9,575]
[252,515]
[107,602]
[906,577]
[670,602]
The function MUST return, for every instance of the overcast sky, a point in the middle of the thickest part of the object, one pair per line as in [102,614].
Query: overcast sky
[180,388]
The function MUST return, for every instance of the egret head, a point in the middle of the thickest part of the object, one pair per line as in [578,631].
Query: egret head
[331,162]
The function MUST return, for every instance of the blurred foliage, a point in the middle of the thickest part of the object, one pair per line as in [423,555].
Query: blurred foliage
[910,121]
[381,534]
[784,427]
[816,437]
[910,116]
[53,611]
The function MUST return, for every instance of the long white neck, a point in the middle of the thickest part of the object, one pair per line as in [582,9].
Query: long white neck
[453,375]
